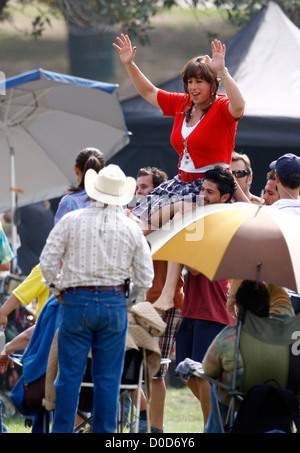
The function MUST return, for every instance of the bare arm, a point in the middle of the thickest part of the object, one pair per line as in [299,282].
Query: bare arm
[143,86]
[236,100]
[239,195]
[170,211]
[230,305]
[20,342]
[9,305]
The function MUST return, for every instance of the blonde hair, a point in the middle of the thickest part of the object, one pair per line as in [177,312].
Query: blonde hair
[237,156]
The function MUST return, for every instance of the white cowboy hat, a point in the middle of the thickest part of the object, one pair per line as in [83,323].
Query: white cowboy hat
[110,185]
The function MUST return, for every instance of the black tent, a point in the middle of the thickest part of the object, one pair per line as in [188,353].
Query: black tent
[263,58]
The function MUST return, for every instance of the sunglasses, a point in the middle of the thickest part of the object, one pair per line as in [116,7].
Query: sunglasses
[240,173]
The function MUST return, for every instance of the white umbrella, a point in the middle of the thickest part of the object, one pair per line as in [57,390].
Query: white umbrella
[45,120]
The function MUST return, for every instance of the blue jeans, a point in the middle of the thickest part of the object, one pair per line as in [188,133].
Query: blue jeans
[96,320]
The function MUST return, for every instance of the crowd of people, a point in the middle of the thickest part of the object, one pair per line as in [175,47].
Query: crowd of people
[97,245]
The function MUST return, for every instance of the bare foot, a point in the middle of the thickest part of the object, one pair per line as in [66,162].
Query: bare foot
[164,303]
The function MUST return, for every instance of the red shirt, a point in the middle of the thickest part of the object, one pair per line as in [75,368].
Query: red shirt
[212,141]
[206,300]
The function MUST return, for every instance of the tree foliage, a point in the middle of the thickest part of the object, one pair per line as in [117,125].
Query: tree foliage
[241,11]
[134,16]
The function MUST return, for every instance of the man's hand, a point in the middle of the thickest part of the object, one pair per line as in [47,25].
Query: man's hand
[231,307]
[5,360]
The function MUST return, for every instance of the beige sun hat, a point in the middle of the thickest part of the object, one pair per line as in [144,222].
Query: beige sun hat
[110,185]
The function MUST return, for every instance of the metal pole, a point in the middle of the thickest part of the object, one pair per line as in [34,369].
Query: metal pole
[13,196]
[4,115]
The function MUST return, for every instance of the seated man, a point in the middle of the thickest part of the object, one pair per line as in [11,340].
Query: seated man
[261,299]
[31,288]
[34,359]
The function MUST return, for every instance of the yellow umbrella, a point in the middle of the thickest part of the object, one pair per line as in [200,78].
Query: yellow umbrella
[239,240]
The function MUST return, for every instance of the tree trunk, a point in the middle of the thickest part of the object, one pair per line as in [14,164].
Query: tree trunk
[91,53]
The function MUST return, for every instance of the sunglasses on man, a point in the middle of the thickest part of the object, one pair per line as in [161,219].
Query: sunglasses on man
[240,173]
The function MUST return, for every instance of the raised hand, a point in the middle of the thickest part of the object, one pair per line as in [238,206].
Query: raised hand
[143,86]
[217,62]
[125,49]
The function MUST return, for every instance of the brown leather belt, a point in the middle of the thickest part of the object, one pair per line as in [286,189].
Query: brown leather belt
[96,288]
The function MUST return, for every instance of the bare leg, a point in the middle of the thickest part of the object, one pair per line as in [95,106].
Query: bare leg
[166,299]
[143,400]
[201,390]
[157,403]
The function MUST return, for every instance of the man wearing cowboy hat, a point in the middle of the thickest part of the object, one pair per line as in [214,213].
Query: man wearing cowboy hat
[98,245]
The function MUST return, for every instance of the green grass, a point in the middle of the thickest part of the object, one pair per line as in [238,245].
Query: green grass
[182,414]
[16,424]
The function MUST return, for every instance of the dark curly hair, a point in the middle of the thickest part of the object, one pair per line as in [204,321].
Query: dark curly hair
[224,181]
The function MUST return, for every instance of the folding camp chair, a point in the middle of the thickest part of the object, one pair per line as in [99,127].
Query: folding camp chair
[85,403]
[142,359]
[84,419]
[133,378]
[270,349]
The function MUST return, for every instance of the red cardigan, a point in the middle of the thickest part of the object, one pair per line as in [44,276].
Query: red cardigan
[212,141]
